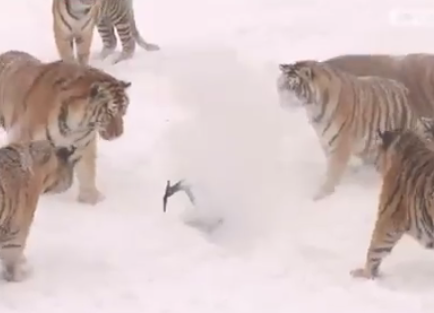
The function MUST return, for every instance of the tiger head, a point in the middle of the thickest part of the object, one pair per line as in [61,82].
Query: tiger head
[50,164]
[405,142]
[113,101]
[297,83]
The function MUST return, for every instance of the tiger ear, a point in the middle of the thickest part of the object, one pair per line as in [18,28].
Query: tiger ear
[125,84]
[285,68]
[386,138]
[380,134]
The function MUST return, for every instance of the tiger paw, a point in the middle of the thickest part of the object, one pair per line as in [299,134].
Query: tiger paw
[122,57]
[362,273]
[105,52]
[16,272]
[90,197]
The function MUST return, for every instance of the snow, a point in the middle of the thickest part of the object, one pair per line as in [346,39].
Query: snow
[205,108]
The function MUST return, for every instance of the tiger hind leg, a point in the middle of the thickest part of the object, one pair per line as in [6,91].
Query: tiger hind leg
[387,232]
[337,162]
[128,42]
[107,33]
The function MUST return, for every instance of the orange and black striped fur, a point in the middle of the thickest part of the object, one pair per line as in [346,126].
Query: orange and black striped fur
[76,19]
[26,171]
[65,103]
[346,111]
[414,70]
[119,15]
[73,26]
[406,204]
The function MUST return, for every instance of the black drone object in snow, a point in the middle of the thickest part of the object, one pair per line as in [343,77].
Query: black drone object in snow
[171,190]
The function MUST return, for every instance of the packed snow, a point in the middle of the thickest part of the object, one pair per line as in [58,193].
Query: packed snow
[205,109]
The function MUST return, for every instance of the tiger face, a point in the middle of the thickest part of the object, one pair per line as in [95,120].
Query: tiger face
[295,84]
[114,102]
[40,157]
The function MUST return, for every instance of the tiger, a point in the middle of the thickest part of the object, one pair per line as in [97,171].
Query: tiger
[406,203]
[27,170]
[75,20]
[66,103]
[414,70]
[74,24]
[345,112]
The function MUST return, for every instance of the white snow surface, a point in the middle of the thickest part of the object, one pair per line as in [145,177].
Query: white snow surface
[205,109]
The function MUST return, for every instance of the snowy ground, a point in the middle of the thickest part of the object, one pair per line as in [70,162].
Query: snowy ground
[205,109]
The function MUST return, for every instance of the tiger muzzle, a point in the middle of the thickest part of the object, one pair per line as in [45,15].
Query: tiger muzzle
[114,128]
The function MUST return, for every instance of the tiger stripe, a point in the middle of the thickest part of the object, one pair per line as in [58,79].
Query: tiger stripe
[26,171]
[65,103]
[74,22]
[406,198]
[414,70]
[345,111]
[73,26]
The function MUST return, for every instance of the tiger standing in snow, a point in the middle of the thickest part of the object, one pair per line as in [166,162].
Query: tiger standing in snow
[26,171]
[346,112]
[74,22]
[406,204]
[66,103]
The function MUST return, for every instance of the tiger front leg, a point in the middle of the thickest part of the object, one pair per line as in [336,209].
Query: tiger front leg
[15,267]
[84,43]
[86,175]
[65,47]
[386,235]
[14,262]
[337,162]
